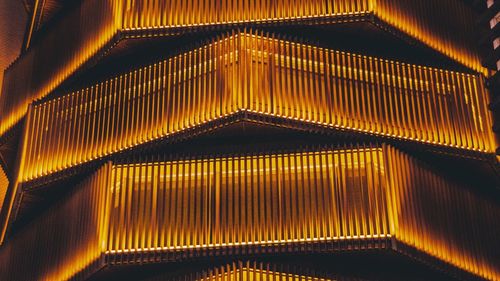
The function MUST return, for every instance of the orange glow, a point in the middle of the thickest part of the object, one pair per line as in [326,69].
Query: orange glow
[359,194]
[249,72]
[92,27]
[261,200]
[64,241]
[48,63]
[320,200]
[90,188]
[441,218]
[246,271]
[425,21]
[4,184]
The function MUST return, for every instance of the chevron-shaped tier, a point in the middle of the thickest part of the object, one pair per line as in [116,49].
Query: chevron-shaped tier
[346,198]
[94,26]
[254,270]
[263,140]
[264,75]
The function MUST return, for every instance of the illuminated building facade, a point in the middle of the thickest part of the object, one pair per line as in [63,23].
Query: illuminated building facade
[250,140]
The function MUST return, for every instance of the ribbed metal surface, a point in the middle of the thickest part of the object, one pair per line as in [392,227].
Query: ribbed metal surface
[252,270]
[4,184]
[269,200]
[224,206]
[442,218]
[178,13]
[344,198]
[90,27]
[59,53]
[66,241]
[12,25]
[257,73]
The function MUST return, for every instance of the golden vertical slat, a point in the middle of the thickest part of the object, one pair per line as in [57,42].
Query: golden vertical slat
[74,248]
[4,184]
[140,212]
[92,26]
[440,217]
[361,94]
[188,224]
[253,270]
[368,189]
[423,21]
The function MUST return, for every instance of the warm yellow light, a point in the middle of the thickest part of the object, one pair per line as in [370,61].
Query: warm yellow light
[4,184]
[64,241]
[252,270]
[253,73]
[358,194]
[246,271]
[92,27]
[355,197]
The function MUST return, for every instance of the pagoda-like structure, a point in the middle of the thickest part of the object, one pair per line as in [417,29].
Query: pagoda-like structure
[252,140]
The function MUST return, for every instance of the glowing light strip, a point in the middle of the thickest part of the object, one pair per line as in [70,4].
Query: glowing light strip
[204,222]
[442,218]
[250,243]
[89,28]
[140,212]
[410,192]
[252,270]
[4,184]
[250,72]
[64,241]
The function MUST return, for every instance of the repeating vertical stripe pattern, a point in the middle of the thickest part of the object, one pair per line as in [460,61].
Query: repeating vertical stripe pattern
[356,196]
[442,218]
[420,19]
[254,270]
[314,198]
[178,13]
[66,241]
[251,201]
[62,50]
[88,30]
[4,184]
[425,21]
[258,73]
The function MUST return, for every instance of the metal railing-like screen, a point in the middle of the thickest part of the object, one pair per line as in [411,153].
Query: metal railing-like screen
[261,74]
[4,185]
[88,30]
[64,242]
[255,270]
[344,198]
[268,200]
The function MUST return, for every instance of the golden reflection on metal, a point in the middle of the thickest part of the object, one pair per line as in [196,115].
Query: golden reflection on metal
[4,184]
[242,272]
[338,199]
[232,272]
[89,29]
[86,29]
[248,201]
[259,74]
[251,270]
[66,241]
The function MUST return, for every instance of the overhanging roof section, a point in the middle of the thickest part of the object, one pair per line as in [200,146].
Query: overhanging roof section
[340,198]
[88,31]
[263,75]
